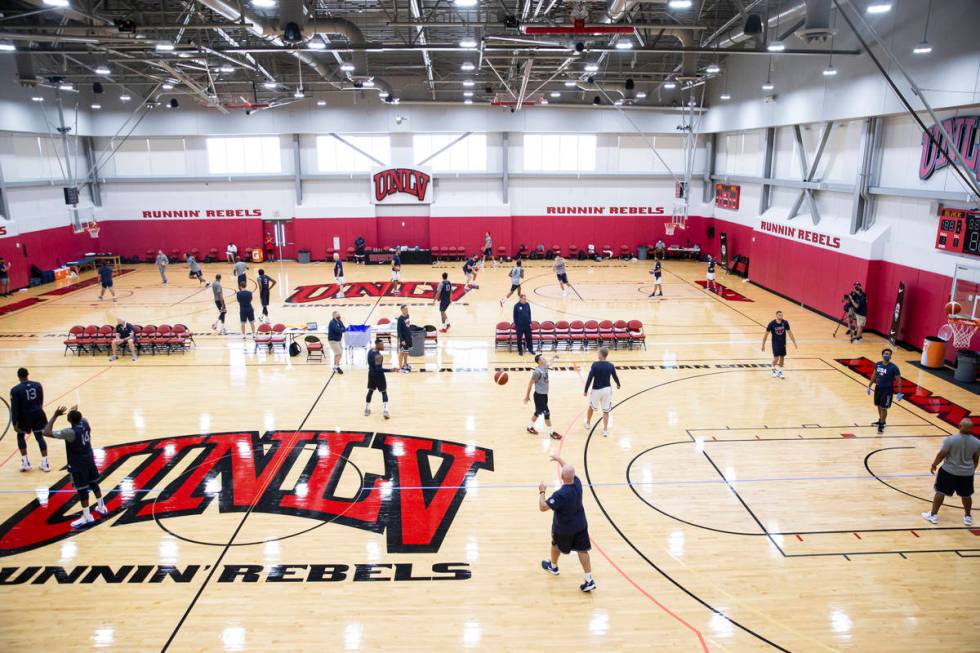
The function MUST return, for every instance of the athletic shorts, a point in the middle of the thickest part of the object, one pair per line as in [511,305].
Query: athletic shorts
[883,398]
[568,542]
[779,350]
[657,279]
[33,422]
[513,287]
[563,277]
[601,399]
[83,474]
[377,382]
[949,484]
[395,275]
[541,405]
[404,346]
[107,284]
[340,282]
[488,252]
[264,298]
[335,346]
[861,320]
[443,306]
[711,276]
[246,314]
[220,305]
[241,279]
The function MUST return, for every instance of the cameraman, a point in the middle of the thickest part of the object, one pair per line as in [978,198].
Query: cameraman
[859,310]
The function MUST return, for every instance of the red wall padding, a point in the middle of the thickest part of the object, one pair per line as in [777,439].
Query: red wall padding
[47,249]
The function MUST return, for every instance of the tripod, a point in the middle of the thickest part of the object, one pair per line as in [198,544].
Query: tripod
[850,324]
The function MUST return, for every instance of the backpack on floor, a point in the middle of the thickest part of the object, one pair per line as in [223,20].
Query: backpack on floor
[294,349]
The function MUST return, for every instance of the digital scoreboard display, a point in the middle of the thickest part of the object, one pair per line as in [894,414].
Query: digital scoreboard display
[959,231]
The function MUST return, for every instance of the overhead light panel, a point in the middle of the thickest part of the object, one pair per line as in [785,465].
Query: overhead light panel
[102,70]
[299,94]
[227,68]
[96,107]
[713,69]
[316,43]
[270,85]
[670,84]
[124,98]
[618,103]
[591,67]
[467,101]
[65,86]
[776,46]
[571,83]
[56,3]
[164,46]
[7,46]
[37,98]
[468,65]
[640,95]
[879,8]
[679,4]
[167,86]
[264,4]
[347,67]
[768,86]
[467,43]
[466,3]
[368,83]
[624,45]
[321,103]
[555,94]
[724,96]
[468,83]
[467,93]
[829,71]
[922,48]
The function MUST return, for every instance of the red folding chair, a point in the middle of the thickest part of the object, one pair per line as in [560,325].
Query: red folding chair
[278,338]
[563,334]
[547,335]
[263,336]
[165,339]
[592,333]
[576,334]
[636,334]
[74,340]
[621,333]
[501,336]
[606,333]
[107,333]
[314,349]
[535,334]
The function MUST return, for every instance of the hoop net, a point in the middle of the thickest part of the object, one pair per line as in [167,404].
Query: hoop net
[93,229]
[669,227]
[961,330]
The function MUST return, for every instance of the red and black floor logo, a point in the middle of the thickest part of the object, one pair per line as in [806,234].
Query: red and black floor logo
[414,502]
[407,289]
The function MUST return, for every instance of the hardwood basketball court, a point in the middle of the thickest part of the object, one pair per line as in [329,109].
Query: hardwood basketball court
[254,506]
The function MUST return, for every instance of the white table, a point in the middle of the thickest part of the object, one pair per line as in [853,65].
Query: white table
[352,339]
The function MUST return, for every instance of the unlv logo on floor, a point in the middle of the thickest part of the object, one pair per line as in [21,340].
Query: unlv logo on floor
[401,186]
[407,289]
[413,503]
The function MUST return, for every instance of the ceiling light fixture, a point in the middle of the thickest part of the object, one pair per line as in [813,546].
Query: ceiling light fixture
[347,67]
[467,43]
[467,93]
[316,43]
[368,83]
[768,86]
[124,98]
[555,94]
[924,47]
[618,103]
[168,87]
[37,98]
[571,83]
[776,46]
[591,67]
[669,84]
[56,3]
[829,71]
[264,4]
[679,4]
[65,86]
[227,68]
[624,45]
[465,3]
[321,103]
[879,8]
[713,69]
[6,46]
[164,46]
[299,94]
[640,95]
[544,100]
[467,101]
[468,83]
[102,70]
[724,96]
[96,107]
[467,66]
[270,84]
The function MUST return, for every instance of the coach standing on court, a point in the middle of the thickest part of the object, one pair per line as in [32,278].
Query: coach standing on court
[522,323]
[335,335]
[601,398]
[162,263]
[959,456]
[404,340]
[569,527]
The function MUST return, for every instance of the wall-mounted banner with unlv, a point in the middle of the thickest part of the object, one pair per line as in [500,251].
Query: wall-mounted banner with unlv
[401,186]
[411,496]
[937,152]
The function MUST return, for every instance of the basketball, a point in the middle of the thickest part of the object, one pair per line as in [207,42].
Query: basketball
[500,377]
[953,308]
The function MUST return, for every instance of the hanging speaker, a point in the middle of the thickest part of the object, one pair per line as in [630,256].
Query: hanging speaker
[97,88]
[711,232]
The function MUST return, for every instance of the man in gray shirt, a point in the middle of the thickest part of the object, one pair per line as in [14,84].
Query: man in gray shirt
[240,268]
[959,456]
[219,302]
[162,263]
[195,270]
[539,381]
[516,277]
[562,273]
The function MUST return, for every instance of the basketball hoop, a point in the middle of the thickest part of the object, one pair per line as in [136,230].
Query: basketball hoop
[960,330]
[93,229]
[669,227]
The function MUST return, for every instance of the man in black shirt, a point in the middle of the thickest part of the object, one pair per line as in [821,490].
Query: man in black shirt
[27,415]
[266,284]
[125,334]
[885,375]
[444,295]
[779,328]
[569,527]
[81,460]
[404,340]
[376,377]
[859,304]
[245,311]
[600,377]
[522,325]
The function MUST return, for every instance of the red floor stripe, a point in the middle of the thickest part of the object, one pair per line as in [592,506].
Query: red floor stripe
[857,536]
[798,537]
[88,283]
[848,435]
[914,533]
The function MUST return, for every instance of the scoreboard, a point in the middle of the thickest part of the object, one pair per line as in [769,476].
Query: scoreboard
[727,196]
[959,231]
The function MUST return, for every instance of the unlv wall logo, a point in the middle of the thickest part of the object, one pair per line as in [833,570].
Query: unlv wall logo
[408,289]
[401,186]
[414,502]
[963,131]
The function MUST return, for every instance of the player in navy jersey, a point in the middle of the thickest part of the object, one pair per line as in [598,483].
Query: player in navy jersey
[105,280]
[376,377]
[81,461]
[266,284]
[469,269]
[710,276]
[27,415]
[886,375]
[396,272]
[658,275]
[338,274]
[245,311]
[569,526]
[404,330]
[444,295]
[779,328]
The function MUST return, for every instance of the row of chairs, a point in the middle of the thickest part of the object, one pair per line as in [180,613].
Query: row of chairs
[94,339]
[568,334]
[210,256]
[270,336]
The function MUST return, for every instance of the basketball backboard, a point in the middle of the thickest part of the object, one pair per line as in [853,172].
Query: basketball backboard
[965,290]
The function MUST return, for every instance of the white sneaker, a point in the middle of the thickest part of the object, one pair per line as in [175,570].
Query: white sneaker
[134,359]
[45,467]
[367,412]
[967,520]
[587,425]
[25,466]
[605,434]
[780,374]
[386,415]
[101,509]
[931,518]
[83,521]
[501,303]
[774,372]
[113,358]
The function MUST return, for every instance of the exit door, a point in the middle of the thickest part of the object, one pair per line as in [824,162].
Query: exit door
[278,240]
